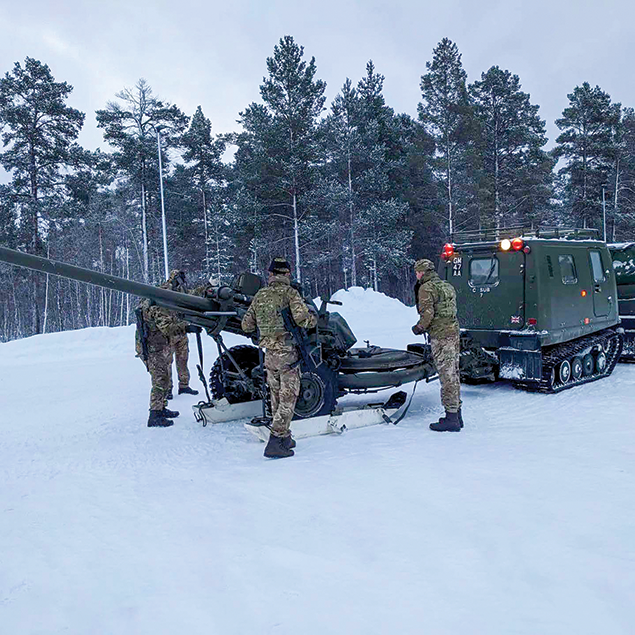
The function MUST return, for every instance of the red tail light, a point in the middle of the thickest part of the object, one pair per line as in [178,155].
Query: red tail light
[532,321]
[517,244]
[448,251]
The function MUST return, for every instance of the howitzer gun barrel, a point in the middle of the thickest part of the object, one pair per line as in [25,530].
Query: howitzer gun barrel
[164,297]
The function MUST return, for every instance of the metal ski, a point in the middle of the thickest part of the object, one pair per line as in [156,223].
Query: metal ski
[341,419]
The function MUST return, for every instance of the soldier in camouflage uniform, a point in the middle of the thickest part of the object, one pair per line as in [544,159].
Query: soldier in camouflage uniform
[281,355]
[159,325]
[436,303]
[179,342]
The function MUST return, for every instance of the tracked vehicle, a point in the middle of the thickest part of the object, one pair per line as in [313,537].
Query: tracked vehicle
[537,307]
[624,266]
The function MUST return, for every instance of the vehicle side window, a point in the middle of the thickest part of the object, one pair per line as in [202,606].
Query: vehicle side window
[567,269]
[484,271]
[596,265]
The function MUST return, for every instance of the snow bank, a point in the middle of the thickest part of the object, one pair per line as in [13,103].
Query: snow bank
[373,316]
[87,343]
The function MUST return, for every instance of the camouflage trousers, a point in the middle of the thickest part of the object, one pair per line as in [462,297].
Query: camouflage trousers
[158,365]
[181,348]
[283,379]
[445,353]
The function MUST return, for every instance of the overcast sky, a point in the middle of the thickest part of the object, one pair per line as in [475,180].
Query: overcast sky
[213,53]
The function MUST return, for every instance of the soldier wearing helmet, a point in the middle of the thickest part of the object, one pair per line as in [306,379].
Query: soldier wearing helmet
[281,355]
[436,303]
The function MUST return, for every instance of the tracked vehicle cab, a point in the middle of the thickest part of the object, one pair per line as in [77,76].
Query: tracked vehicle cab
[542,303]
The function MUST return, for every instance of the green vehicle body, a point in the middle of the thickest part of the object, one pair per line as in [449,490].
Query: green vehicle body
[623,255]
[553,288]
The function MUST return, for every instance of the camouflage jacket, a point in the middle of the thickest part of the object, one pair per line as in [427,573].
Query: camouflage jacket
[163,324]
[436,303]
[181,331]
[264,314]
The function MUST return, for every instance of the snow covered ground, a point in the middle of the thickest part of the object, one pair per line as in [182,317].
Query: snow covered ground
[524,523]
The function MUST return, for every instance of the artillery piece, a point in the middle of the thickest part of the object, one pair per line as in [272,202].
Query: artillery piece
[331,366]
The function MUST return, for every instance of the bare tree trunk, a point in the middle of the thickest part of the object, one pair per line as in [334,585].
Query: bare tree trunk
[127,295]
[46,292]
[206,267]
[352,217]
[296,236]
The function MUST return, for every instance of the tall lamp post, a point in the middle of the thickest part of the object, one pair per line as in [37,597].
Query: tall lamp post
[163,223]
[604,210]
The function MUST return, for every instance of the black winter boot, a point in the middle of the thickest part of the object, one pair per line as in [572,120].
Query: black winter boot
[158,420]
[276,448]
[170,414]
[460,417]
[449,423]
[169,395]
[288,442]
[187,391]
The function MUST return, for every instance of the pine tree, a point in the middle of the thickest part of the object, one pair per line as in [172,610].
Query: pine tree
[446,115]
[38,133]
[132,128]
[587,144]
[385,241]
[280,138]
[345,152]
[515,183]
[621,182]
[203,154]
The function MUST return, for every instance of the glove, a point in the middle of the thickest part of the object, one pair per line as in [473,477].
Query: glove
[417,329]
[193,328]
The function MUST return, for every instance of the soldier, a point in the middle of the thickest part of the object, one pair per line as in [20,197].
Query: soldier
[179,342]
[436,303]
[281,355]
[155,326]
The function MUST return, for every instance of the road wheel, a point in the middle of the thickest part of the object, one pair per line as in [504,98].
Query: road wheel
[600,362]
[577,368]
[564,371]
[587,365]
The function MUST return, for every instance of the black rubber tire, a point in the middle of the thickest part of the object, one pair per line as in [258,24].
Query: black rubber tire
[248,358]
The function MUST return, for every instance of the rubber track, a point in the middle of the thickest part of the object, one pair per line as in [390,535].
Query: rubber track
[628,351]
[568,350]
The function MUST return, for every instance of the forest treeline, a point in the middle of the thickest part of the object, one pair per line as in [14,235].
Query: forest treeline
[350,192]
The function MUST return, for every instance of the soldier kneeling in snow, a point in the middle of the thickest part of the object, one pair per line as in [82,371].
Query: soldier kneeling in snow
[436,303]
[281,355]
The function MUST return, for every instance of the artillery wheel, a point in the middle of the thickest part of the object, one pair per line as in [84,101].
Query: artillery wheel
[234,388]
[318,393]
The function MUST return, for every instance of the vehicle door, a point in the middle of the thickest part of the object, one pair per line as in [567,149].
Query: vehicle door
[601,289]
[493,298]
